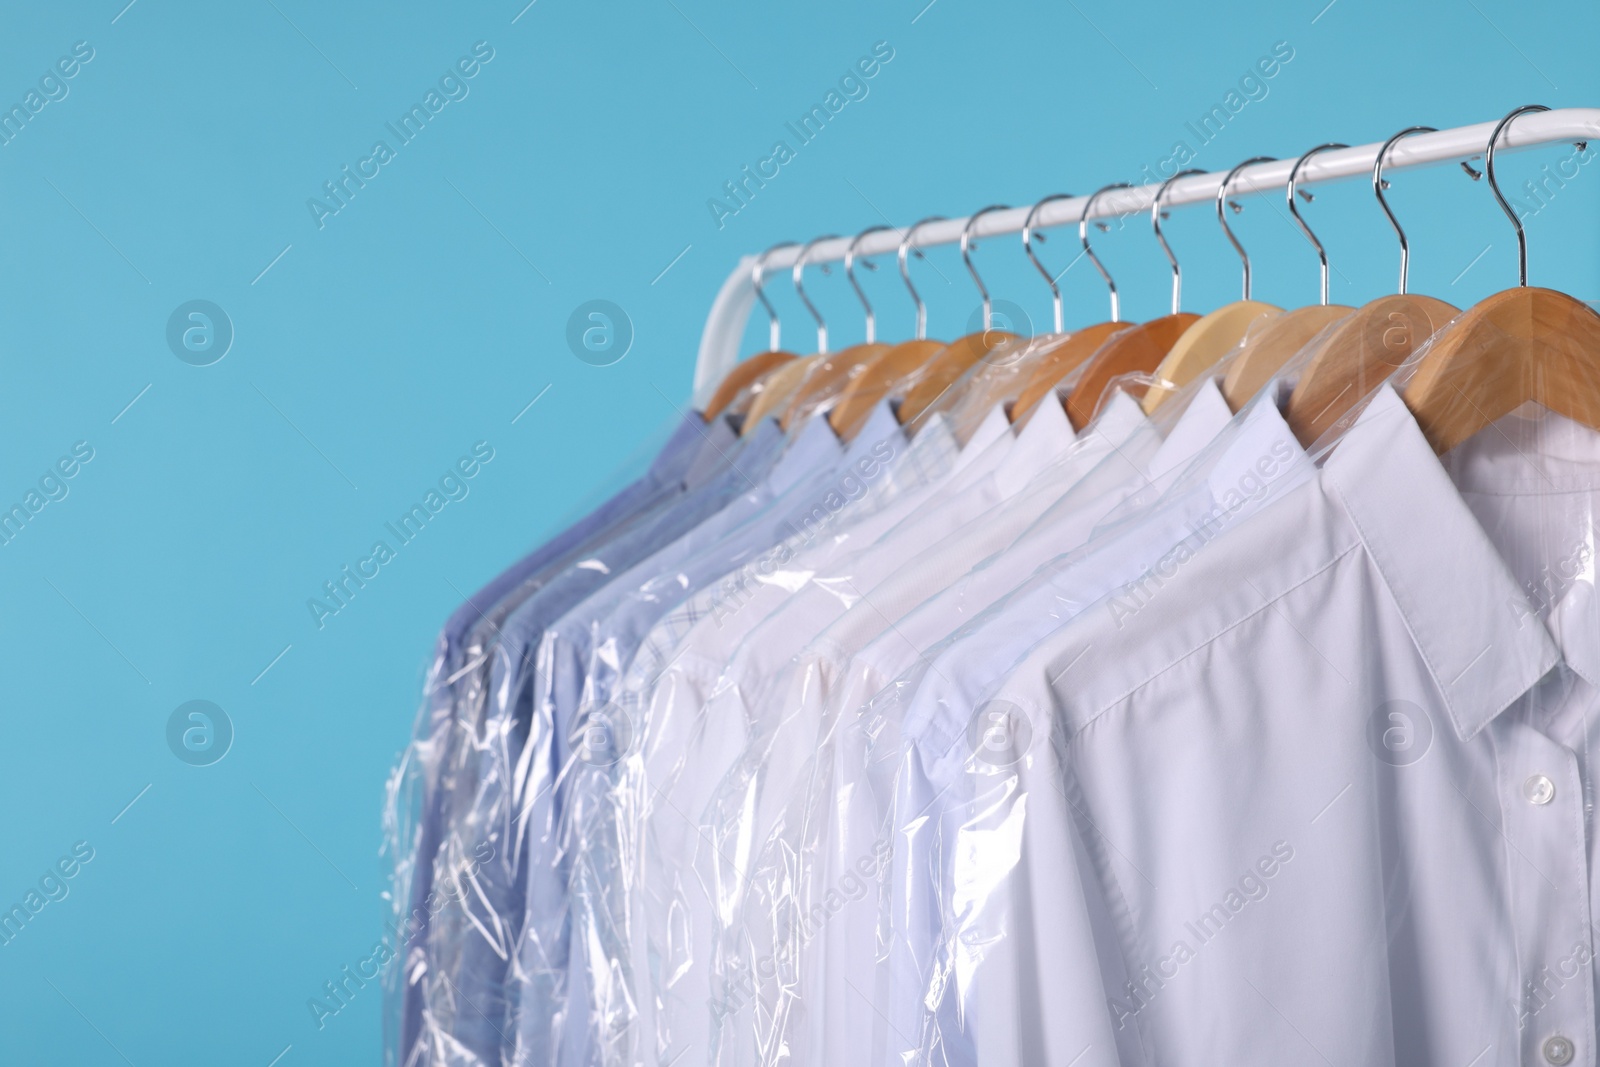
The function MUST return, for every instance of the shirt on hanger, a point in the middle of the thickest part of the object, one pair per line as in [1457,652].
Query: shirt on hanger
[1350,742]
[504,794]
[667,476]
[935,727]
[822,906]
[582,655]
[735,712]
[600,812]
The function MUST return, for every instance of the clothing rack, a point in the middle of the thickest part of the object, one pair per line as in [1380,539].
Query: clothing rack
[724,329]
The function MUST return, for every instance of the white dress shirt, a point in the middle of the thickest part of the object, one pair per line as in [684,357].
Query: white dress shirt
[1331,781]
[666,689]
[768,1002]
[696,805]
[956,831]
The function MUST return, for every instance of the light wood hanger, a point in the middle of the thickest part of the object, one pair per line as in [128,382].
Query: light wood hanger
[955,359]
[1367,345]
[1268,347]
[1519,345]
[1054,354]
[1217,332]
[1083,343]
[833,369]
[780,387]
[887,370]
[744,374]
[1136,351]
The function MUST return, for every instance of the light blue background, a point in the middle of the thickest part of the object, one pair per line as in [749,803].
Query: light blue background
[428,313]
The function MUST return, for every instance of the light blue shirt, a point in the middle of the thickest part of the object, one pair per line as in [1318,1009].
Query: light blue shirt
[503,799]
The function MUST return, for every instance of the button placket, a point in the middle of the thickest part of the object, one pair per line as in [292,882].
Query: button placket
[1548,894]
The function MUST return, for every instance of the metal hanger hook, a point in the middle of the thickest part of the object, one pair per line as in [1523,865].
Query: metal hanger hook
[1494,187]
[1155,224]
[758,274]
[1377,189]
[1027,246]
[799,287]
[1294,174]
[966,258]
[850,273]
[1083,235]
[1222,215]
[905,275]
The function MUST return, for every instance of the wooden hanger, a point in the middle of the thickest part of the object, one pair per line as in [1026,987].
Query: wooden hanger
[744,375]
[1046,358]
[831,375]
[780,387]
[1355,356]
[1060,361]
[779,372]
[830,369]
[1081,346]
[1138,350]
[1519,345]
[1271,344]
[876,381]
[1212,336]
[944,367]
[1218,332]
[889,369]
[955,359]
[1369,344]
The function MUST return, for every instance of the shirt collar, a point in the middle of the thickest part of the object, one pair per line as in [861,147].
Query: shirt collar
[1204,417]
[812,446]
[1539,460]
[881,426]
[676,456]
[1460,602]
[1575,627]
[1045,439]
[994,426]
[1119,419]
[716,446]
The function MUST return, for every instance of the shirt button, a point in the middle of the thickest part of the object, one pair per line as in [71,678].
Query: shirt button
[1558,1050]
[1539,790]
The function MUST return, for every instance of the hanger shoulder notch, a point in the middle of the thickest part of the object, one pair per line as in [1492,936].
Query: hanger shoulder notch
[833,371]
[1520,345]
[1062,361]
[1136,351]
[881,376]
[1356,355]
[946,367]
[780,387]
[743,375]
[1215,335]
[1271,345]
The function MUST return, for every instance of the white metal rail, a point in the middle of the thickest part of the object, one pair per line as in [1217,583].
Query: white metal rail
[719,343]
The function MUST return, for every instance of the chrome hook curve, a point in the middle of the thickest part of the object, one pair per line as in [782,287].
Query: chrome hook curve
[966,258]
[1494,187]
[1377,189]
[905,275]
[1083,235]
[1294,174]
[1027,246]
[1155,224]
[1222,215]
[850,273]
[758,274]
[799,287]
